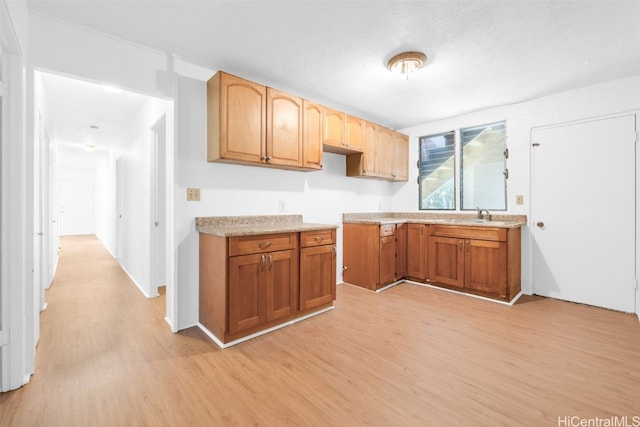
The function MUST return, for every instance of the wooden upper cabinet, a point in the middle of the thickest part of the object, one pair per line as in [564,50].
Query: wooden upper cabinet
[400,162]
[384,157]
[333,127]
[235,119]
[284,129]
[311,135]
[370,151]
[355,133]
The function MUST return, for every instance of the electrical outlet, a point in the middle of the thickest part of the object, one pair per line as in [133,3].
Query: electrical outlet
[193,194]
[282,206]
[519,199]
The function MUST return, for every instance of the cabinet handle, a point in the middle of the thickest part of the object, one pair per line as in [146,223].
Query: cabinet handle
[264,245]
[262,263]
[468,246]
[270,262]
[319,238]
[460,245]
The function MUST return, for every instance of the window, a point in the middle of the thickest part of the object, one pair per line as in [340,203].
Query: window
[436,177]
[481,169]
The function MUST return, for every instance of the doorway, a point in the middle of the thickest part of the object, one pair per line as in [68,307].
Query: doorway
[158,205]
[583,212]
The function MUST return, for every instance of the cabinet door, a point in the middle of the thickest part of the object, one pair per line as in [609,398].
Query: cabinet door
[361,254]
[401,251]
[281,284]
[312,135]
[284,129]
[317,276]
[384,158]
[486,266]
[246,292]
[370,149]
[400,162]
[242,119]
[354,133]
[387,260]
[446,260]
[333,128]
[417,238]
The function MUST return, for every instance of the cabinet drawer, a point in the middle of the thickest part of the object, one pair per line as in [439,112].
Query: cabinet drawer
[479,233]
[387,229]
[243,245]
[316,238]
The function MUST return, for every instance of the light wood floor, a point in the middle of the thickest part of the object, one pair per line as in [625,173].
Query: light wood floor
[408,356]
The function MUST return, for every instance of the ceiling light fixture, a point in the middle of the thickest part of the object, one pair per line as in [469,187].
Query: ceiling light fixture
[89,148]
[407,62]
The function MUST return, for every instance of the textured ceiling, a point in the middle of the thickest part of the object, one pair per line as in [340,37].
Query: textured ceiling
[480,53]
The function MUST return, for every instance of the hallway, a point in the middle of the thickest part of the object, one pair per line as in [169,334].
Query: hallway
[106,356]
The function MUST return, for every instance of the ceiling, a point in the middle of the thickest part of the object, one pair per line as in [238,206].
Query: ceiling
[480,53]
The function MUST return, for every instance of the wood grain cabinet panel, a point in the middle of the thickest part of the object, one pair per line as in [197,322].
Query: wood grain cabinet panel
[236,112]
[417,244]
[312,135]
[317,276]
[372,256]
[385,155]
[284,129]
[400,157]
[251,124]
[252,283]
[480,260]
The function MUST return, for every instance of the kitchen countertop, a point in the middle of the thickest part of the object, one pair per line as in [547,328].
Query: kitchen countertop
[497,220]
[230,226]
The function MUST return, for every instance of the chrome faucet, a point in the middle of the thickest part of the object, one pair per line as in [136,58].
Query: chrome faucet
[483,214]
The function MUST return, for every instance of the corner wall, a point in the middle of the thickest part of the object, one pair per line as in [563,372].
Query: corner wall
[593,101]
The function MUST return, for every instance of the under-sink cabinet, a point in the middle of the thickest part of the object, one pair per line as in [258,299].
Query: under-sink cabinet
[480,260]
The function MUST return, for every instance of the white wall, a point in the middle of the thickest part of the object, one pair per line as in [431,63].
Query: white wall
[19,308]
[604,99]
[320,196]
[135,152]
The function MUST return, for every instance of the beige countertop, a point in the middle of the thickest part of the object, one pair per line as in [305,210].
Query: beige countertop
[497,220]
[230,226]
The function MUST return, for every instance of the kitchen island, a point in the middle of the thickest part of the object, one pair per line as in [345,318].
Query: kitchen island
[260,273]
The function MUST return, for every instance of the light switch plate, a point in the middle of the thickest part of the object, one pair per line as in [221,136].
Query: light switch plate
[193,194]
[519,199]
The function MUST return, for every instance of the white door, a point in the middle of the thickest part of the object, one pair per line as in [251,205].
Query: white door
[158,204]
[119,209]
[77,207]
[583,212]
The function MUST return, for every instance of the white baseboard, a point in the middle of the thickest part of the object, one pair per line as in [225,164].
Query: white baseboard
[427,285]
[137,284]
[257,334]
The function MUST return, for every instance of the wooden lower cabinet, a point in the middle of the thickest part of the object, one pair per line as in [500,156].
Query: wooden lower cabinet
[371,258]
[262,288]
[417,244]
[317,269]
[480,260]
[251,283]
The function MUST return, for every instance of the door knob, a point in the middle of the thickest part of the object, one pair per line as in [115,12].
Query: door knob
[540,224]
